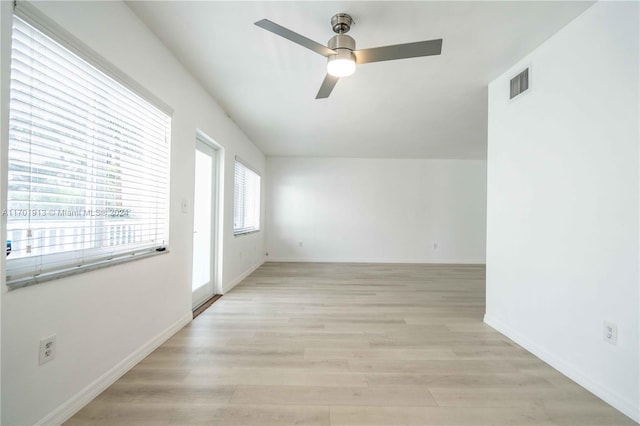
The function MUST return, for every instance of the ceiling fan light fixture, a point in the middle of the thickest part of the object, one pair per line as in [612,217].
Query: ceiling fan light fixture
[343,64]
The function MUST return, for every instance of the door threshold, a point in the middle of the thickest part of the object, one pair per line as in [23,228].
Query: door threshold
[205,305]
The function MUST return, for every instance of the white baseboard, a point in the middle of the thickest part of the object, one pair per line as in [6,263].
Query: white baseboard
[95,388]
[242,276]
[367,260]
[628,408]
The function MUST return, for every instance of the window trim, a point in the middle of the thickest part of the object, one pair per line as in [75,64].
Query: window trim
[101,258]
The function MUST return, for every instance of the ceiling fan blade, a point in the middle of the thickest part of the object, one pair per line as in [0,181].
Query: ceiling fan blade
[399,51]
[294,37]
[327,86]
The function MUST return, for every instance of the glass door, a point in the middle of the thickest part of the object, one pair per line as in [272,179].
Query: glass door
[203,224]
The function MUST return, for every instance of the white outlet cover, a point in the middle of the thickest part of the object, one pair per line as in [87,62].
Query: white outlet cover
[610,332]
[47,349]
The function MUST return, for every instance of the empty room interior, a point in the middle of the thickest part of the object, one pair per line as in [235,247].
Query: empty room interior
[320,213]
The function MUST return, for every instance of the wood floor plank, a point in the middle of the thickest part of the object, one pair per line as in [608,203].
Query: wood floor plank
[250,415]
[430,366]
[346,344]
[440,416]
[308,395]
[163,393]
[275,377]
[532,397]
[516,380]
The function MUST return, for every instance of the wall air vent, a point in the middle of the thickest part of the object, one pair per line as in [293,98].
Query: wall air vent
[519,84]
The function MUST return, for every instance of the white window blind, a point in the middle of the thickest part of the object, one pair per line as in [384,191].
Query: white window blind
[246,194]
[88,164]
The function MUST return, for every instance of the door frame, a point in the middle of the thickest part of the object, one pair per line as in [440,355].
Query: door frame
[217,205]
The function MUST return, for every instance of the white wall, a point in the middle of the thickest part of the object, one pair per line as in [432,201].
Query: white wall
[562,230]
[104,319]
[376,210]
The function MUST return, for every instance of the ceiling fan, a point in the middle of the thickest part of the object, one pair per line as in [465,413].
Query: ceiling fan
[341,52]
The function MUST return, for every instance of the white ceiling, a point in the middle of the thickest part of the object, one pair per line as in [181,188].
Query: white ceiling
[432,107]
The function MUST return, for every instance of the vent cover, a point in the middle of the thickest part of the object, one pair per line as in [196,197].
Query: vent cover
[519,84]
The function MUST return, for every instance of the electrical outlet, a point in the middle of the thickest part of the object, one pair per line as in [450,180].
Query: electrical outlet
[435,246]
[610,332]
[47,349]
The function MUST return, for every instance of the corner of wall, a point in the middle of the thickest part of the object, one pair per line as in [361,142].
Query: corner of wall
[229,286]
[629,408]
[74,404]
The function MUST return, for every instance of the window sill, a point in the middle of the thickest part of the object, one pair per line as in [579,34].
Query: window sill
[242,234]
[27,282]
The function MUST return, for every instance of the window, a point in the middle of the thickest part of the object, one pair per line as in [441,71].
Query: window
[246,195]
[88,163]
[519,84]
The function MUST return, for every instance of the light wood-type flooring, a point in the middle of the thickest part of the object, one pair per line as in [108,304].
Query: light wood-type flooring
[346,344]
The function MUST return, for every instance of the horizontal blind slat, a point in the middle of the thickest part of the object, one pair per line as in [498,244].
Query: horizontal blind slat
[18,177]
[73,158]
[49,116]
[41,108]
[32,46]
[54,85]
[56,93]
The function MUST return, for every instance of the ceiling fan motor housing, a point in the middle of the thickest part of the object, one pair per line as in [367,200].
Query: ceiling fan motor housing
[341,41]
[344,46]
